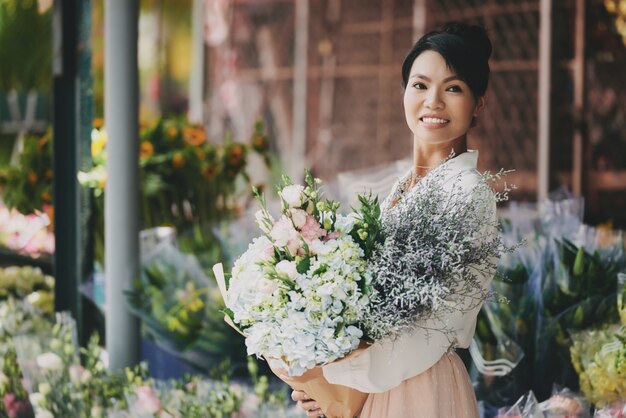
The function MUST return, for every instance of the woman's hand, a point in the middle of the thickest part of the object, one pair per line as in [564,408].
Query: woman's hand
[310,374]
[309,405]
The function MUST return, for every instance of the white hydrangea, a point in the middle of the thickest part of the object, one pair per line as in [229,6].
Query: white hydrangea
[309,321]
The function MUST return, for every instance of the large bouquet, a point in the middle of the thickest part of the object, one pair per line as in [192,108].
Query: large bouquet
[299,291]
[440,245]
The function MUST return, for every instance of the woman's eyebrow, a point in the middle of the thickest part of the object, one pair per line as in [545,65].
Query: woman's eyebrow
[445,80]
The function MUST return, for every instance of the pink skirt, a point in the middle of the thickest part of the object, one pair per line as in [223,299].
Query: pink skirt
[443,391]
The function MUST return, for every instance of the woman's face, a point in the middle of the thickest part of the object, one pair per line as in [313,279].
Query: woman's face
[438,105]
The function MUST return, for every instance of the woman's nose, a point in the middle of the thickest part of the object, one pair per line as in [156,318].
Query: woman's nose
[433,100]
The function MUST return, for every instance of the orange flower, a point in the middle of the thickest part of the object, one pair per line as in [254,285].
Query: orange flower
[146,149]
[43,141]
[172,132]
[32,177]
[200,154]
[235,155]
[259,143]
[194,136]
[178,161]
[98,123]
[48,174]
[46,197]
[209,172]
[102,183]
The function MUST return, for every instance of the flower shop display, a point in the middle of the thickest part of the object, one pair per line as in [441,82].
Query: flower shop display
[187,180]
[27,186]
[563,403]
[44,374]
[182,310]
[563,279]
[26,234]
[599,357]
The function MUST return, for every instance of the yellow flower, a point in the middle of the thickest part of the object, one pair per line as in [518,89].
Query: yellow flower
[98,141]
[172,132]
[178,161]
[146,149]
[46,197]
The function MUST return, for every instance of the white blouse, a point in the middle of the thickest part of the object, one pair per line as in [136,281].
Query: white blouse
[385,364]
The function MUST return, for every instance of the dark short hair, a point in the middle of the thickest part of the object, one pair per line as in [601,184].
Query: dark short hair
[465,48]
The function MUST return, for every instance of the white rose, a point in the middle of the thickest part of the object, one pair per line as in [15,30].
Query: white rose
[49,361]
[298,216]
[287,267]
[293,195]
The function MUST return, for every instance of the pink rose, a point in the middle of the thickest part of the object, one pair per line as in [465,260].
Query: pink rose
[312,229]
[147,403]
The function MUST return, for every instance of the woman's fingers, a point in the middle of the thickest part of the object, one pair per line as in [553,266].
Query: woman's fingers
[309,405]
[298,395]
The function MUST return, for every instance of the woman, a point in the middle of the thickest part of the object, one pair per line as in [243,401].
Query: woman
[418,375]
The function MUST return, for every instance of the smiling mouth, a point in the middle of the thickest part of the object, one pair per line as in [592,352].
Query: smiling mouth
[434,121]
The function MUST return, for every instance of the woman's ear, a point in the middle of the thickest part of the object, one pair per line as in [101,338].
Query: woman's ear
[480,105]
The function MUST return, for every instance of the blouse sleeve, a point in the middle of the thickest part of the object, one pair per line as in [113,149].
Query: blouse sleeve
[385,364]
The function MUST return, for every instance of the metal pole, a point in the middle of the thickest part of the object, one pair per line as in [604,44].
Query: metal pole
[301,47]
[121,205]
[67,256]
[196,81]
[579,98]
[545,64]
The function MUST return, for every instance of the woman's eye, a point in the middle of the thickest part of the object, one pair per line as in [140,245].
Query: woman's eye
[419,86]
[454,89]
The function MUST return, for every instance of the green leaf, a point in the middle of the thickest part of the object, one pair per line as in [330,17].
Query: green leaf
[303,265]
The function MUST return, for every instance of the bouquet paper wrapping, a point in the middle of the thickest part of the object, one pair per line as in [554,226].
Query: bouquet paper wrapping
[336,401]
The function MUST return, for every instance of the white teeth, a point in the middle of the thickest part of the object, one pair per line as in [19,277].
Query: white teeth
[434,120]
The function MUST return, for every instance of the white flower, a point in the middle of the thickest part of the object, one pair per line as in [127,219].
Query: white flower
[44,388]
[96,411]
[75,371]
[298,216]
[293,195]
[43,413]
[49,361]
[267,287]
[284,235]
[287,267]
[36,399]
[86,376]
[345,223]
